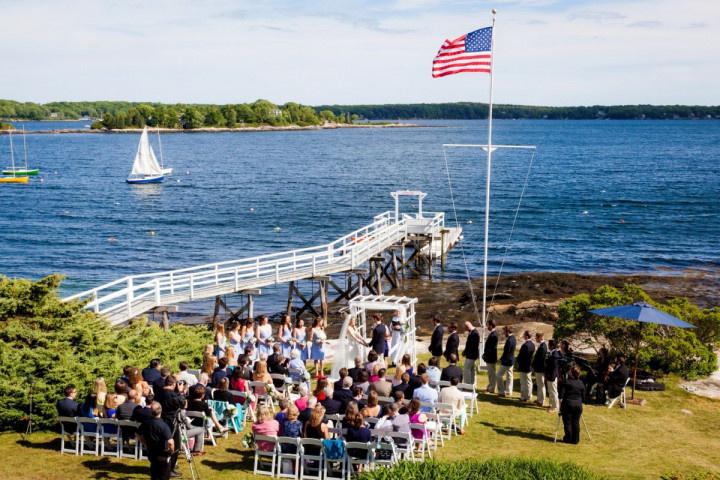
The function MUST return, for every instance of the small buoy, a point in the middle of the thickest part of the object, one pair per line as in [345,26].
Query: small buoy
[622,220]
[277,229]
[469,221]
[56,172]
[252,210]
[585,212]
[178,180]
[42,180]
[151,233]
[602,191]
[117,203]
[111,239]
[66,212]
[187,172]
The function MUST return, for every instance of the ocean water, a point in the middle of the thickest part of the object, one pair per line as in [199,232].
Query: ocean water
[601,196]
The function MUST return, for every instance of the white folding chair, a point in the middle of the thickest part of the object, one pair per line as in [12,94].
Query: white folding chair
[283,388]
[372,421]
[128,429]
[384,453]
[385,400]
[470,394]
[261,394]
[209,427]
[622,397]
[434,428]
[265,457]
[421,441]
[362,456]
[89,431]
[109,434]
[447,416]
[403,442]
[69,431]
[309,461]
[291,457]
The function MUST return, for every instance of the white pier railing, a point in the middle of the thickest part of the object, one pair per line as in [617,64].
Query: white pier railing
[134,295]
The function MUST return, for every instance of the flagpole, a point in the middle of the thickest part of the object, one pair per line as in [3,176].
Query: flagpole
[487,184]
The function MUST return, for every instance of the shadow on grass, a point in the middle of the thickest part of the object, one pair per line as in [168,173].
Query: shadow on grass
[506,402]
[102,468]
[516,432]
[53,444]
[243,462]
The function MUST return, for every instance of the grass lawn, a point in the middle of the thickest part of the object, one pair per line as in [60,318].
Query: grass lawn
[639,442]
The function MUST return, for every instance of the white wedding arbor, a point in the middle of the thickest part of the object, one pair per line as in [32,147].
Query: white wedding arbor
[359,306]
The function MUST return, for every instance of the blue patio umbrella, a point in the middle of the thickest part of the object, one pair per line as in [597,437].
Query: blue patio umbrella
[643,313]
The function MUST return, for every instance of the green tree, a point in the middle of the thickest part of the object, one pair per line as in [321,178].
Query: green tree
[192,118]
[327,116]
[245,114]
[230,115]
[265,112]
[214,118]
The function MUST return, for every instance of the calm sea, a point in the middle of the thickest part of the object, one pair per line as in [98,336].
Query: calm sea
[602,196]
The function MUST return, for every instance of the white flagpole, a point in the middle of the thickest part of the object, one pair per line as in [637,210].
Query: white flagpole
[487,185]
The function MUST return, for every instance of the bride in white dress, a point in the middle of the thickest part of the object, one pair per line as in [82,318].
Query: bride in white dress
[351,343]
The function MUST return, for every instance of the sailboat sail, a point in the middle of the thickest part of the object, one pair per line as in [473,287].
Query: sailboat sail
[145,162]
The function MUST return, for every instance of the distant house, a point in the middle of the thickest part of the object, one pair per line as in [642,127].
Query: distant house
[54,115]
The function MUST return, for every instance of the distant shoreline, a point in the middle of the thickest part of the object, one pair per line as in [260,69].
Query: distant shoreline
[264,128]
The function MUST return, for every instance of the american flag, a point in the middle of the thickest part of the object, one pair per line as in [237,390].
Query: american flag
[469,53]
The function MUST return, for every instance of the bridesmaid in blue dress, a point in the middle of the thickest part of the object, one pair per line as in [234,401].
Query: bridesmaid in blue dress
[264,337]
[248,338]
[318,338]
[285,336]
[299,335]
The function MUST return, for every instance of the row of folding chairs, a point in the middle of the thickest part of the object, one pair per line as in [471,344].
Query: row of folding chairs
[313,459]
[100,437]
[468,390]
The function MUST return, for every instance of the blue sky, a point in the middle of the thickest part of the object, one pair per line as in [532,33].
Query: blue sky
[548,52]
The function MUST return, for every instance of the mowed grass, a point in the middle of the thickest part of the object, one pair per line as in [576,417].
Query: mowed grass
[639,442]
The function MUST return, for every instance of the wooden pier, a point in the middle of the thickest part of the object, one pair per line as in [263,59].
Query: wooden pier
[372,259]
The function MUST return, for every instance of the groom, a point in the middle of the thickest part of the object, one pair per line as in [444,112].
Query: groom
[379,334]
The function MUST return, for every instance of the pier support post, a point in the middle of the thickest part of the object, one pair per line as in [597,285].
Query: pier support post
[443,247]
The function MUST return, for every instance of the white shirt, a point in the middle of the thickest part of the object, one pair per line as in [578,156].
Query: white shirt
[189,378]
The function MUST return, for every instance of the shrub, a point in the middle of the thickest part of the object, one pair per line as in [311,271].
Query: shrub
[493,469]
[50,344]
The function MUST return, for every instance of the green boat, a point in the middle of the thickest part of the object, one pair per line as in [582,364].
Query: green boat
[21,171]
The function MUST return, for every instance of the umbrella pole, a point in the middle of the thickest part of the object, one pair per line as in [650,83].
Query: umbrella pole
[637,352]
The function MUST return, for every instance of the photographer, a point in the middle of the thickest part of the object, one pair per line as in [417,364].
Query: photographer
[156,436]
[171,402]
[571,405]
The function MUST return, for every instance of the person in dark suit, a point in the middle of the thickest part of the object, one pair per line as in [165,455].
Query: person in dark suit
[507,362]
[451,370]
[489,356]
[571,406]
[152,371]
[552,365]
[436,340]
[453,342]
[471,353]
[415,381]
[332,406]
[524,359]
[617,378]
[68,407]
[379,334]
[403,385]
[538,366]
[344,393]
[354,372]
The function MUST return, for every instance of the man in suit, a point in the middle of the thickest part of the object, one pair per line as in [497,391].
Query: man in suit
[489,356]
[617,378]
[344,393]
[552,364]
[471,353]
[453,342]
[451,370]
[524,360]
[415,381]
[152,371]
[383,387]
[355,371]
[507,361]
[68,407]
[403,385]
[538,366]
[379,333]
[436,340]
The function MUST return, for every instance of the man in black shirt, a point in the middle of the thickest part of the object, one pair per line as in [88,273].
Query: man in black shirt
[355,371]
[157,438]
[507,362]
[379,335]
[451,370]
[403,385]
[152,372]
[436,340]
[538,366]
[471,353]
[171,402]
[344,393]
[524,359]
[415,381]
[489,356]
[452,345]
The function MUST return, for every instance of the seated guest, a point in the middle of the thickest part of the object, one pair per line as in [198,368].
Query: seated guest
[265,425]
[291,427]
[209,364]
[351,410]
[307,411]
[114,400]
[363,381]
[358,396]
[95,401]
[344,393]
[137,383]
[425,393]
[261,375]
[357,432]
[189,378]
[276,362]
[372,360]
[197,403]
[617,378]
[152,372]
[382,386]
[355,371]
[232,357]
[297,370]
[220,372]
[398,397]
[397,377]
[281,416]
[415,381]
[372,409]
[433,370]
[245,367]
[403,385]
[451,370]
[401,422]
[406,363]
[303,396]
[315,428]
[68,407]
[374,376]
[416,416]
[125,410]
[222,394]
[321,389]
[159,383]
[238,384]
[386,421]
[343,372]
[453,396]
[332,407]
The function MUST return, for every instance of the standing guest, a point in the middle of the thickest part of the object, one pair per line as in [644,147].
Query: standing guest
[571,407]
[373,408]
[489,356]
[234,341]
[379,332]
[222,392]
[453,342]
[189,378]
[425,393]
[68,407]
[220,372]
[299,338]
[538,366]
[383,387]
[265,425]
[552,365]
[354,372]
[451,370]
[507,361]
[433,370]
[220,340]
[318,338]
[524,361]
[264,337]
[171,403]
[471,353]
[156,436]
[152,371]
[436,340]
[453,396]
[285,336]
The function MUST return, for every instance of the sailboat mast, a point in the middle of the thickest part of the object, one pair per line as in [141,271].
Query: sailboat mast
[162,163]
[25,148]
[12,154]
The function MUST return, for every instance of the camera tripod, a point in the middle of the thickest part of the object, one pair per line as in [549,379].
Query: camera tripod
[185,445]
[582,419]
[29,416]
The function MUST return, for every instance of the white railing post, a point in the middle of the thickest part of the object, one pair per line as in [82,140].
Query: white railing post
[129,296]
[352,257]
[257,267]
[96,305]
[237,280]
[330,255]
[172,283]
[294,261]
[277,272]
[192,287]
[217,280]
[157,292]
[313,264]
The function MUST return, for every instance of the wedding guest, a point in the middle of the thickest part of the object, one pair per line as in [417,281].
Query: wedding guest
[453,342]
[489,356]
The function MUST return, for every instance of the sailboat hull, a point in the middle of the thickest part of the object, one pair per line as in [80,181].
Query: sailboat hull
[142,180]
[14,179]
[21,171]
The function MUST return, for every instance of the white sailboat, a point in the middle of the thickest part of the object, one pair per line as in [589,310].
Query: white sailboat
[146,168]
